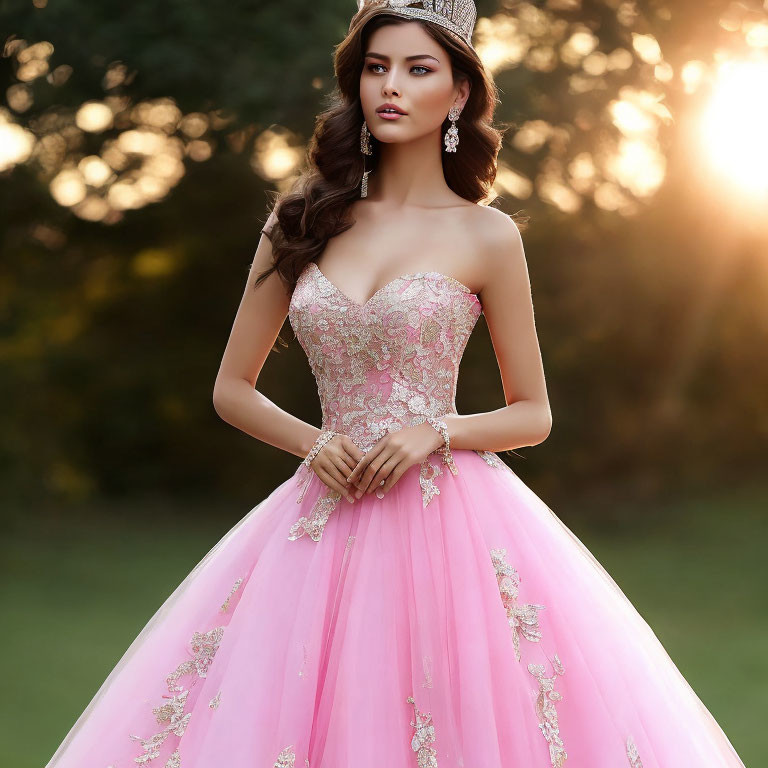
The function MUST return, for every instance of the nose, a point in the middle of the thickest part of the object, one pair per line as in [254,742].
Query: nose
[389,87]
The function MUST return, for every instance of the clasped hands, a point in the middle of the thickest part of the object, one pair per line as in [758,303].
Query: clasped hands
[345,468]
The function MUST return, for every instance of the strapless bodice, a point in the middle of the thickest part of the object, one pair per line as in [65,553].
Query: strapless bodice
[385,364]
[390,362]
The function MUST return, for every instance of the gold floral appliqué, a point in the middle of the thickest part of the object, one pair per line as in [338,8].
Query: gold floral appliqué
[523,619]
[546,711]
[286,758]
[171,713]
[632,754]
[423,737]
[234,589]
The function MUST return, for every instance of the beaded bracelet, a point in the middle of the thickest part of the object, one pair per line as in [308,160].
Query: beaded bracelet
[442,428]
[321,440]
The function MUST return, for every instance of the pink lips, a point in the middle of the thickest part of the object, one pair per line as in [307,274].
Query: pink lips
[390,115]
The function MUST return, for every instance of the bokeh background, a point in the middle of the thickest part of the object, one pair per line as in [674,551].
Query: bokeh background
[139,146]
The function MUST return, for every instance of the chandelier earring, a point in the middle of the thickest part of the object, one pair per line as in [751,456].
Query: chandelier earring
[366,149]
[452,134]
[365,140]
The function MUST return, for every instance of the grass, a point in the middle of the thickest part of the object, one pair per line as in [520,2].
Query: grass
[76,592]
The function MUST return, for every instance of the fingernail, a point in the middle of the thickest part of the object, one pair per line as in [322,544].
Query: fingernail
[349,479]
[359,494]
[350,499]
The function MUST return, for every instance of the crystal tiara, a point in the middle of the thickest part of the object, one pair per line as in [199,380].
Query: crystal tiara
[457,16]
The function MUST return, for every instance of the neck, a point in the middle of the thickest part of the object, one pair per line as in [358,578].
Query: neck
[409,173]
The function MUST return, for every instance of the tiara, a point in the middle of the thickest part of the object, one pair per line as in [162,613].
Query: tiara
[457,16]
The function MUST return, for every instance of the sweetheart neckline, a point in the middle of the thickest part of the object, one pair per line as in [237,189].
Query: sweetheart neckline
[408,276]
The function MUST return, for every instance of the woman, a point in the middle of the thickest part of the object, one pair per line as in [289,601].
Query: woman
[419,606]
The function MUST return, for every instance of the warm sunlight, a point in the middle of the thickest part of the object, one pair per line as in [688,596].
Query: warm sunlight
[735,124]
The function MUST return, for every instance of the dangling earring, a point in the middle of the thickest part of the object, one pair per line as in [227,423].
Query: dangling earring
[452,134]
[365,140]
[364,185]
[366,149]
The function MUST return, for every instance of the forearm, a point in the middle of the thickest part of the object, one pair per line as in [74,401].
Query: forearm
[521,423]
[245,408]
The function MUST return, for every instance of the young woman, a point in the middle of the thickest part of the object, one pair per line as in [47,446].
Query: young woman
[419,606]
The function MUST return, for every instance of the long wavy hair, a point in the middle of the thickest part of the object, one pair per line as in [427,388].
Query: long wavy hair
[318,204]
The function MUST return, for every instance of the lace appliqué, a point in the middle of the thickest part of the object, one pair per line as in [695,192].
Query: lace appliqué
[632,754]
[286,759]
[314,524]
[234,589]
[423,738]
[490,458]
[546,711]
[171,713]
[523,619]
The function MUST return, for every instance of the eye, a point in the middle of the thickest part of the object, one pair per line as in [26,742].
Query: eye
[371,68]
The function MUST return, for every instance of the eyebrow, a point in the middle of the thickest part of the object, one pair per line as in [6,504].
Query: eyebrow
[407,58]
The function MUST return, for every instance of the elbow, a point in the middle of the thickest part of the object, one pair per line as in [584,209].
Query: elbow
[546,426]
[219,400]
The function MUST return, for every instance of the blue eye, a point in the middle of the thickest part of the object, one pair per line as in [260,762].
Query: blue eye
[415,66]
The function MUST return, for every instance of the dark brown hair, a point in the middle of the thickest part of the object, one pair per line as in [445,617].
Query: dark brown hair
[317,207]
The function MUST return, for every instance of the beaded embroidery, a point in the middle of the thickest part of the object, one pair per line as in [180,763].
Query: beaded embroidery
[545,709]
[632,754]
[423,738]
[234,589]
[286,759]
[203,649]
[383,365]
[523,619]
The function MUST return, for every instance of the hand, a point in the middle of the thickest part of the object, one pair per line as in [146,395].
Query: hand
[334,462]
[381,467]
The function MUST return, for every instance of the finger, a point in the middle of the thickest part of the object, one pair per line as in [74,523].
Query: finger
[394,476]
[334,484]
[352,450]
[362,465]
[365,483]
[382,475]
[342,464]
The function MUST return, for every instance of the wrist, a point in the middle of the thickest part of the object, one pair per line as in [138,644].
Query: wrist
[440,425]
[309,441]
[452,425]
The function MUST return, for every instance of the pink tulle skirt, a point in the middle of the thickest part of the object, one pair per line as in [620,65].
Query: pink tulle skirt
[477,631]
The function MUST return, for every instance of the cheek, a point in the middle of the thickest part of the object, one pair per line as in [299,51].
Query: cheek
[433,103]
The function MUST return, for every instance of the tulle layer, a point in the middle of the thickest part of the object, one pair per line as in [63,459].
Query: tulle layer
[476,632]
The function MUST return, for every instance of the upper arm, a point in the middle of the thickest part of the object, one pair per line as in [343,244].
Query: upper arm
[267,228]
[257,323]
[508,309]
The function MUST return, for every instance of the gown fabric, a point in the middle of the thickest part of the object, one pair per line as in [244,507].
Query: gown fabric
[455,622]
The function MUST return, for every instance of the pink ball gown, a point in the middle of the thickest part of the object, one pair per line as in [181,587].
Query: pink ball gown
[455,622]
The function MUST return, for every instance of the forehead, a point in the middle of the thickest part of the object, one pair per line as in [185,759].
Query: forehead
[400,40]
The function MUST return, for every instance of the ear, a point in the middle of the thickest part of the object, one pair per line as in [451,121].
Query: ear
[462,92]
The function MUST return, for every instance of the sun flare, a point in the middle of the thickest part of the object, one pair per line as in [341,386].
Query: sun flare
[735,124]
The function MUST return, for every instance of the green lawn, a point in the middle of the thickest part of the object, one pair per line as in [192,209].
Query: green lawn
[74,598]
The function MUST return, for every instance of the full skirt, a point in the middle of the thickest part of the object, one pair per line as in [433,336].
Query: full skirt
[477,632]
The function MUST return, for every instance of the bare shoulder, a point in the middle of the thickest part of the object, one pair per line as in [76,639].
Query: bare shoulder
[499,245]
[269,224]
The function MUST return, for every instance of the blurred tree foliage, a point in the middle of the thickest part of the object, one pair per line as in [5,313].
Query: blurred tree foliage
[649,286]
